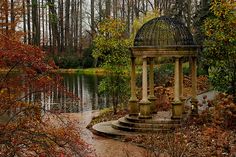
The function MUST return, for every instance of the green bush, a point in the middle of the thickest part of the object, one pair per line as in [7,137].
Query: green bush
[88,60]
[67,62]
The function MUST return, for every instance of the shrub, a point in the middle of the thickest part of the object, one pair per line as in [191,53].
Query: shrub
[220,112]
[88,60]
[67,62]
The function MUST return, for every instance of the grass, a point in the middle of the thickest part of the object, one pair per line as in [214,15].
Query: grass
[98,71]
[89,71]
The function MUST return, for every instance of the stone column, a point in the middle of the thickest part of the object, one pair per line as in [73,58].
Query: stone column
[151,96]
[194,86]
[176,104]
[177,81]
[144,103]
[181,79]
[181,84]
[133,101]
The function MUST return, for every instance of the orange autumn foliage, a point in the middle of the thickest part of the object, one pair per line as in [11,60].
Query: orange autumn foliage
[25,130]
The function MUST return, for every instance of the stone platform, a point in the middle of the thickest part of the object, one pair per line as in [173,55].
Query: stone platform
[132,125]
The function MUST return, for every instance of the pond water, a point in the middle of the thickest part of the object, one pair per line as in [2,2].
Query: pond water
[85,87]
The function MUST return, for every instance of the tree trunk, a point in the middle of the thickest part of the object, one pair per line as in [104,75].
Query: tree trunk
[24,21]
[72,15]
[76,27]
[28,22]
[43,24]
[61,24]
[115,9]
[128,16]
[12,16]
[80,27]
[35,24]
[53,21]
[100,10]
[108,8]
[67,24]
[92,19]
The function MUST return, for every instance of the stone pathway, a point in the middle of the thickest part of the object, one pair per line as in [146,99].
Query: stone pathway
[104,147]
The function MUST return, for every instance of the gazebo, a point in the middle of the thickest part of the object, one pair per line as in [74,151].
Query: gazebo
[162,37]
[159,37]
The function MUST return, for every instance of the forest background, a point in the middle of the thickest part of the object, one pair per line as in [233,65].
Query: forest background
[66,28]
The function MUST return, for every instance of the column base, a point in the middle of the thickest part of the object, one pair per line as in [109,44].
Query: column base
[145,112]
[177,110]
[133,107]
[153,106]
[194,106]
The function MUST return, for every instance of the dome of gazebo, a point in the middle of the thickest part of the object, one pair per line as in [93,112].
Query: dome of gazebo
[163,32]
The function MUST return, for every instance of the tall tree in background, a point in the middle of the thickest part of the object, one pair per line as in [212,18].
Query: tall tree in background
[108,8]
[35,23]
[24,20]
[92,19]
[100,11]
[28,21]
[80,27]
[59,26]
[67,24]
[53,21]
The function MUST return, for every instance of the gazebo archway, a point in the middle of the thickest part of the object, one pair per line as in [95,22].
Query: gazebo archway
[162,37]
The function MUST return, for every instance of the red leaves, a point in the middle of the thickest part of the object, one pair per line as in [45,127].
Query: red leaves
[25,131]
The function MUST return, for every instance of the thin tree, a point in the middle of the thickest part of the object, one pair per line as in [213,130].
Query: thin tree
[35,24]
[28,21]
[108,8]
[80,27]
[92,19]
[67,24]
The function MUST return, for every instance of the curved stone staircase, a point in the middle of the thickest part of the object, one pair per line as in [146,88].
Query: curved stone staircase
[132,125]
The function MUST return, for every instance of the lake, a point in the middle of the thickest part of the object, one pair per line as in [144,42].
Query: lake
[81,85]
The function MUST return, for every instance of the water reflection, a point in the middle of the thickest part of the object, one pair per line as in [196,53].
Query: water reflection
[83,86]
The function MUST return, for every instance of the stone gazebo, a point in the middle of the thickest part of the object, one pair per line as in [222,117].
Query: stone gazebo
[162,37]
[159,37]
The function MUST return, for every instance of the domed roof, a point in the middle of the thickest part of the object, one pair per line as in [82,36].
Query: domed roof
[163,32]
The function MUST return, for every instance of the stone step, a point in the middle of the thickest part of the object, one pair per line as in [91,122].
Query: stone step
[106,129]
[124,122]
[118,126]
[136,119]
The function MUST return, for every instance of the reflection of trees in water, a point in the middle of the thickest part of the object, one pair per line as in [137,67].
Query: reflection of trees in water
[83,86]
